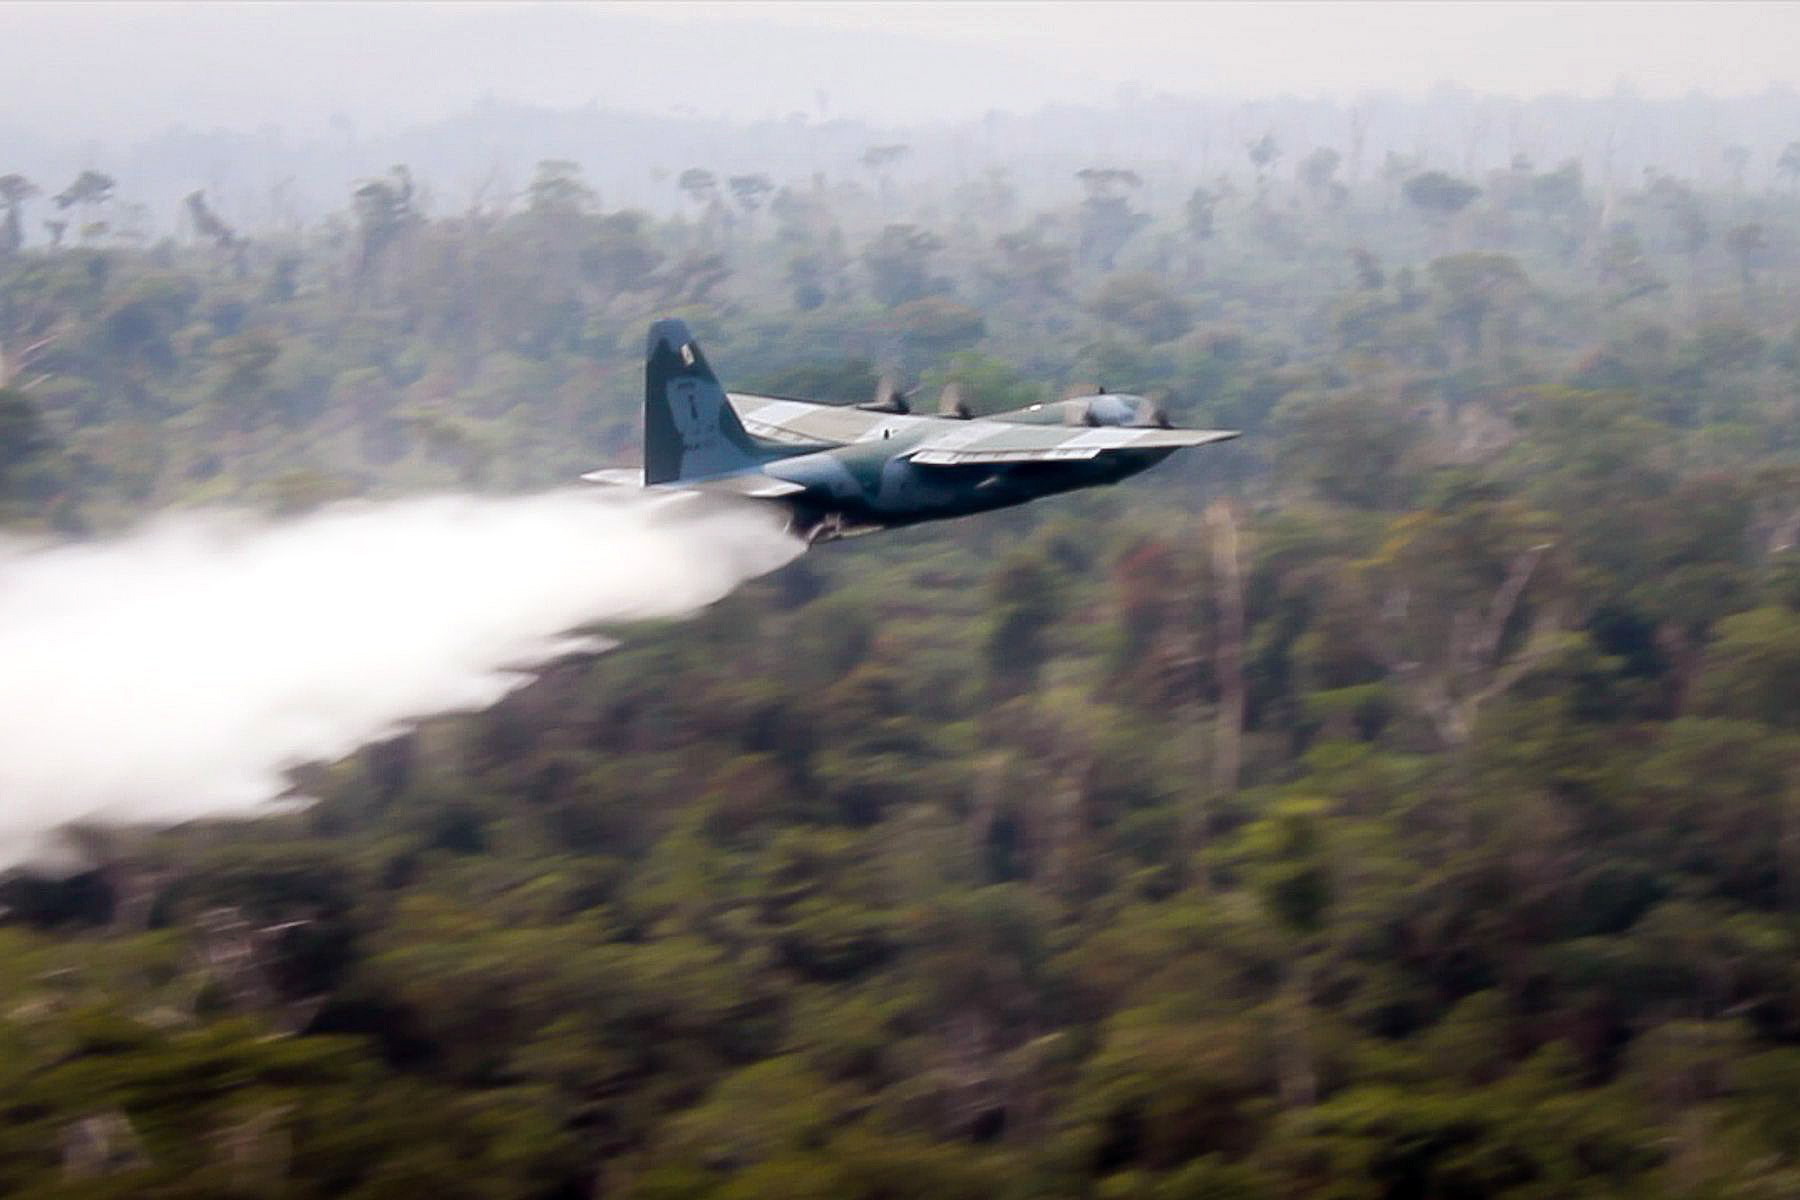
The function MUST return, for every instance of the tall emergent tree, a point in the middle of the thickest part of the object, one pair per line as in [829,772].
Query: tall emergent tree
[1107,219]
[15,190]
[1439,195]
[89,191]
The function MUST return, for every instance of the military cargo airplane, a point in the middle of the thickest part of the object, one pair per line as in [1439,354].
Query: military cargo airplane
[846,470]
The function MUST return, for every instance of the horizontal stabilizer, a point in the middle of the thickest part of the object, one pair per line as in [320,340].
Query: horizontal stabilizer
[617,477]
[751,486]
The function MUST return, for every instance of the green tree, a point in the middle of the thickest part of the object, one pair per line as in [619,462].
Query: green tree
[1028,267]
[207,223]
[1317,171]
[1625,270]
[750,191]
[1142,305]
[384,215]
[1026,602]
[1440,196]
[90,191]
[1480,294]
[881,161]
[699,185]
[1748,670]
[1788,164]
[935,327]
[1201,209]
[1749,248]
[27,454]
[899,265]
[1107,219]
[557,189]
[1264,152]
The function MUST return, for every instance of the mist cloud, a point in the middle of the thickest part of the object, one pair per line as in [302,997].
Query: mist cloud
[177,672]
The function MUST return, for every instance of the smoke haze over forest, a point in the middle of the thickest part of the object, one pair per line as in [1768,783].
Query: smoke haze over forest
[278,108]
[141,66]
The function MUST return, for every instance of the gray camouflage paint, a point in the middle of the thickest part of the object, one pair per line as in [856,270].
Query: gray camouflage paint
[841,471]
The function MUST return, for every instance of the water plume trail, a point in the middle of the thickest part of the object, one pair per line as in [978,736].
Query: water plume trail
[178,671]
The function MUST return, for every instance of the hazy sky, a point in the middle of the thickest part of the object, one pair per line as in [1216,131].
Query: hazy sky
[99,70]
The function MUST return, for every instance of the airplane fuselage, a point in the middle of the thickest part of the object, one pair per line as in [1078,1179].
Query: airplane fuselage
[840,471]
[868,485]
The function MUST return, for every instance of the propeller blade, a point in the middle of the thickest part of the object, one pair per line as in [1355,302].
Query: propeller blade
[1152,415]
[888,398]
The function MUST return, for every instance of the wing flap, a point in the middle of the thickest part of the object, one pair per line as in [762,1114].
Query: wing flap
[953,458]
[998,443]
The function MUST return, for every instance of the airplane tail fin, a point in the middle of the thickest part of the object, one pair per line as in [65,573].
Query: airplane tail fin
[690,429]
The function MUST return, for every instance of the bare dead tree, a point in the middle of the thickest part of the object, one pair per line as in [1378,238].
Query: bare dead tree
[240,955]
[14,363]
[1228,581]
[1469,672]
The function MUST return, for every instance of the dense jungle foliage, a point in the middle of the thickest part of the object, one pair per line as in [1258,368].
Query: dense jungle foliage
[1401,801]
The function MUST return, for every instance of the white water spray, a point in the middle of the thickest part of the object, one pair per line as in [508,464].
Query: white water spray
[177,672]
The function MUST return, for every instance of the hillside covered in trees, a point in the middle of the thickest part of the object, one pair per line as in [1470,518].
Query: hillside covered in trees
[1400,801]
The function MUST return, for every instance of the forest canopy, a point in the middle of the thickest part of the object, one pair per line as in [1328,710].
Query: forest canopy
[1399,801]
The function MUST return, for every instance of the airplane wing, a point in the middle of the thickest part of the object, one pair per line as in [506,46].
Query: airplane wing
[978,442]
[799,423]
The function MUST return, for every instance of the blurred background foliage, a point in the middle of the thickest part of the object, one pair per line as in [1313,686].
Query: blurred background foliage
[1400,801]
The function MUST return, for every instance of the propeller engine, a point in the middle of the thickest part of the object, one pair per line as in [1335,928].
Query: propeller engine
[1098,407]
[952,405]
[889,398]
